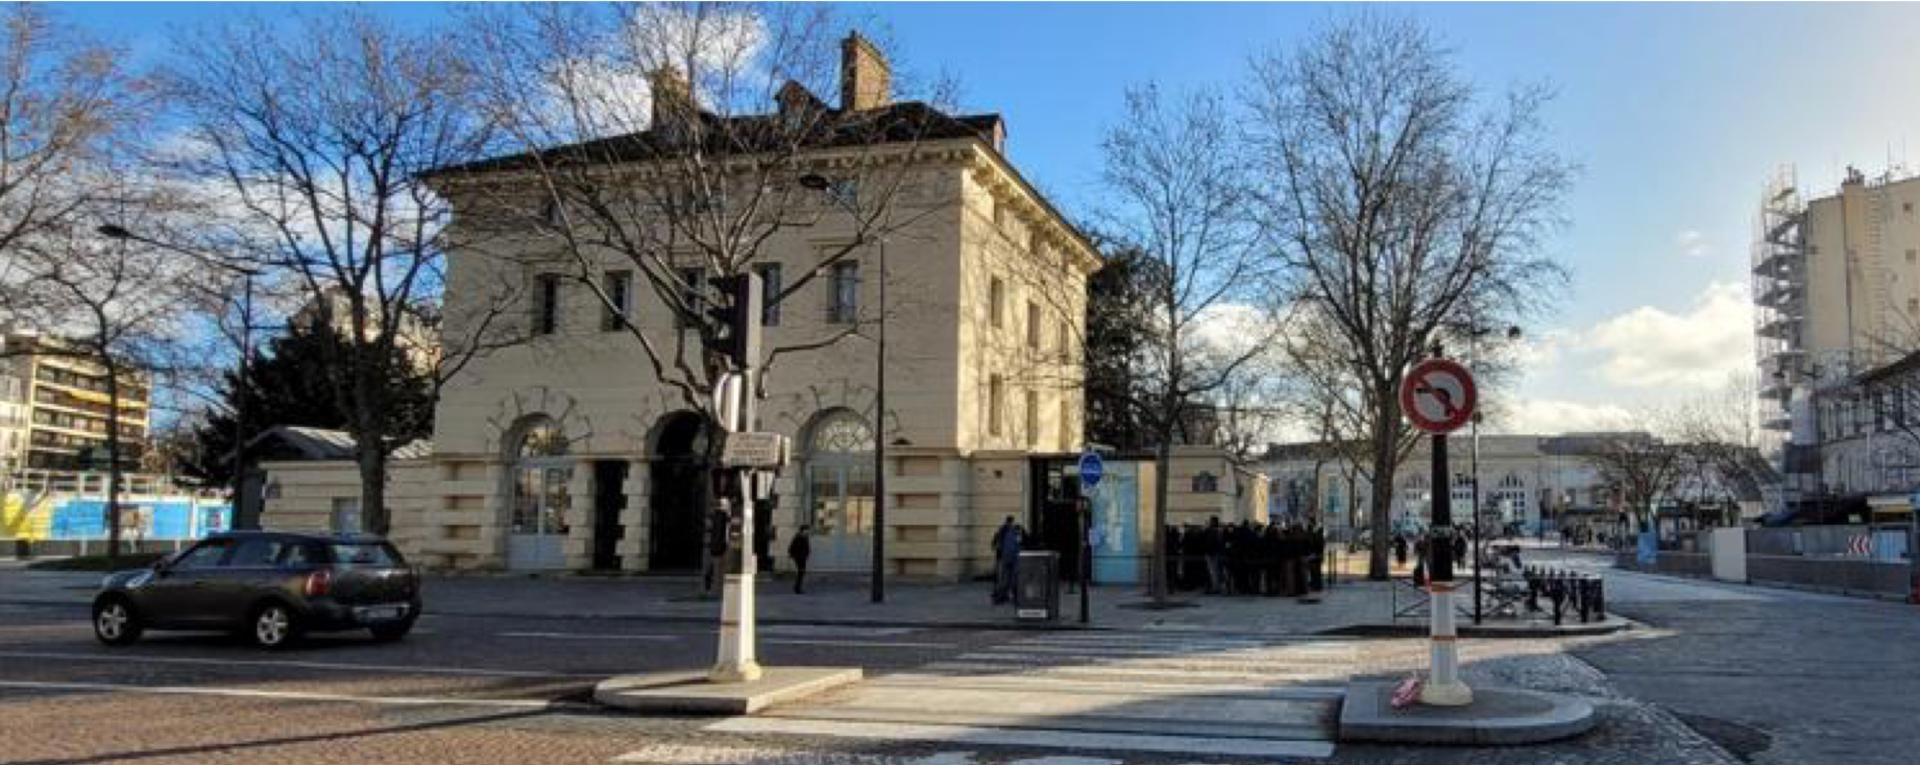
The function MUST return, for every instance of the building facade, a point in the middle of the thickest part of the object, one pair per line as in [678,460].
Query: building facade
[1837,293]
[1529,484]
[565,452]
[54,411]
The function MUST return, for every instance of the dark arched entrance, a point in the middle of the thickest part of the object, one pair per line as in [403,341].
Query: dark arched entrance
[678,493]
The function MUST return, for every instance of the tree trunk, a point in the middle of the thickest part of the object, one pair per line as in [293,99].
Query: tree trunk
[1382,500]
[113,462]
[373,484]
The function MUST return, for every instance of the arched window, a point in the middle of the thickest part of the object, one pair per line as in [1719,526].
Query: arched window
[541,472]
[839,474]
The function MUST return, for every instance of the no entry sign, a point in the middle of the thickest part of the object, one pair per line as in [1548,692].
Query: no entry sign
[1437,396]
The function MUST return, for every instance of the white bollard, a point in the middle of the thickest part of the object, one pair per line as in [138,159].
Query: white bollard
[1443,687]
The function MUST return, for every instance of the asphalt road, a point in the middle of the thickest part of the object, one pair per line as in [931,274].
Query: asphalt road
[1733,661]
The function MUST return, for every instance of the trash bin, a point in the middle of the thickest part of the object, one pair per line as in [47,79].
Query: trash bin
[1036,592]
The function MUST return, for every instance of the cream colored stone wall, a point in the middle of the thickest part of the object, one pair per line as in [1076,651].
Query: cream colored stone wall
[963,217]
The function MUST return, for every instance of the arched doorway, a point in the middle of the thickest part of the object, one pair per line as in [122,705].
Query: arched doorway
[838,490]
[541,475]
[680,482]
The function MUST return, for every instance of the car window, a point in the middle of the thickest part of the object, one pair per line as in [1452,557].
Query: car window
[365,554]
[206,555]
[300,555]
[255,553]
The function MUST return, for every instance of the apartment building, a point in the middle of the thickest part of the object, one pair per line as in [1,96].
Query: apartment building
[57,405]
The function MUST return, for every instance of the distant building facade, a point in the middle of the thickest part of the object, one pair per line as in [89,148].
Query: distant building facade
[54,409]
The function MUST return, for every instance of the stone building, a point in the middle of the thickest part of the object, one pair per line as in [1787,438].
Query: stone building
[566,453]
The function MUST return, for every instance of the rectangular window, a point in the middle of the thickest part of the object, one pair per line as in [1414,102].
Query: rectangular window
[996,302]
[1912,255]
[845,306]
[546,304]
[996,395]
[693,290]
[1033,325]
[619,308]
[345,514]
[770,286]
[1066,421]
[1033,417]
[1062,343]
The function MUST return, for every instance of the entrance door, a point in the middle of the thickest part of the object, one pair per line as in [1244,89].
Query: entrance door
[679,495]
[838,504]
[541,501]
[609,498]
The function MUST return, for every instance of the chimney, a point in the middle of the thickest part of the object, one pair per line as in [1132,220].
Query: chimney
[672,97]
[865,79]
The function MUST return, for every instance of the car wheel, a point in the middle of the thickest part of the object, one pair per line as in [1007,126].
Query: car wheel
[390,632]
[274,626]
[114,622]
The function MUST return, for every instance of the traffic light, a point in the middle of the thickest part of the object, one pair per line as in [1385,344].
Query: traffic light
[735,319]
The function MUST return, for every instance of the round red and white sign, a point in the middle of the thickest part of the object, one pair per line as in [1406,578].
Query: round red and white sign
[1438,396]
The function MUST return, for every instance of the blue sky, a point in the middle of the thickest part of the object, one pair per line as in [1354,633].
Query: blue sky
[1678,114]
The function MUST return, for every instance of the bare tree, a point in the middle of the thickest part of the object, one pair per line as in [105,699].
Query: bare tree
[314,139]
[106,303]
[684,144]
[66,102]
[1721,434]
[1397,203]
[1177,193]
[1637,465]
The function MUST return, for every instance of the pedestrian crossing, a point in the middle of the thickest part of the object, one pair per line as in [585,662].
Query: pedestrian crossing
[1099,691]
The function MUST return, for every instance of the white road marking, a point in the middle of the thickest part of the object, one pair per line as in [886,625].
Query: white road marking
[684,754]
[1056,739]
[592,636]
[1270,674]
[816,630]
[857,643]
[1068,685]
[252,693]
[135,658]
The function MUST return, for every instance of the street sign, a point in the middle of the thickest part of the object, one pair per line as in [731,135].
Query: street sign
[1438,396]
[1091,469]
[754,450]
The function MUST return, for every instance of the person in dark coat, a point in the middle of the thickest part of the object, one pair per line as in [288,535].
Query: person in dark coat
[1399,549]
[799,550]
[1006,555]
[1214,547]
[1316,557]
[1273,549]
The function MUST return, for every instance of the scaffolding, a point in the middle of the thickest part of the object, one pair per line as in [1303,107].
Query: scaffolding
[1780,297]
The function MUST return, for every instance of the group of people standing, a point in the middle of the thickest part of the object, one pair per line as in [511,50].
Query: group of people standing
[1246,558]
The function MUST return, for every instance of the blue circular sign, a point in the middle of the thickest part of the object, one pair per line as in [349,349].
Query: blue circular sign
[1091,469]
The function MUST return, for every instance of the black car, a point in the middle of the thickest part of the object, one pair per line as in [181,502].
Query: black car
[271,587]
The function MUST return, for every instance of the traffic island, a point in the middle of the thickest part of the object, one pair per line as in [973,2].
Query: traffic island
[1497,716]
[692,693]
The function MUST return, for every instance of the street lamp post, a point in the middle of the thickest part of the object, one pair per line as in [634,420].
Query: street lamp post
[247,275]
[1479,518]
[878,576]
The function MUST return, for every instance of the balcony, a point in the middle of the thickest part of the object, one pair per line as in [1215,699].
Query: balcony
[1780,328]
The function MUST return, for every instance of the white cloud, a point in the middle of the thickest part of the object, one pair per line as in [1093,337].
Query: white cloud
[1648,347]
[1693,244]
[1551,416]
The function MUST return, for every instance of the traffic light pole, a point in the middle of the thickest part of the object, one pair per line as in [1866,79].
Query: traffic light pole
[736,411]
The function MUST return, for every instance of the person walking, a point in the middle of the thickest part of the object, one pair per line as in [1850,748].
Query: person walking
[799,550]
[1214,545]
[1006,554]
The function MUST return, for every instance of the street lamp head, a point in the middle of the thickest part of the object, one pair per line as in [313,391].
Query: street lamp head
[1513,333]
[112,231]
[815,181]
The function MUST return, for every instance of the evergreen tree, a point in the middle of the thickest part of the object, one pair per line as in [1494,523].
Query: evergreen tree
[287,384]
